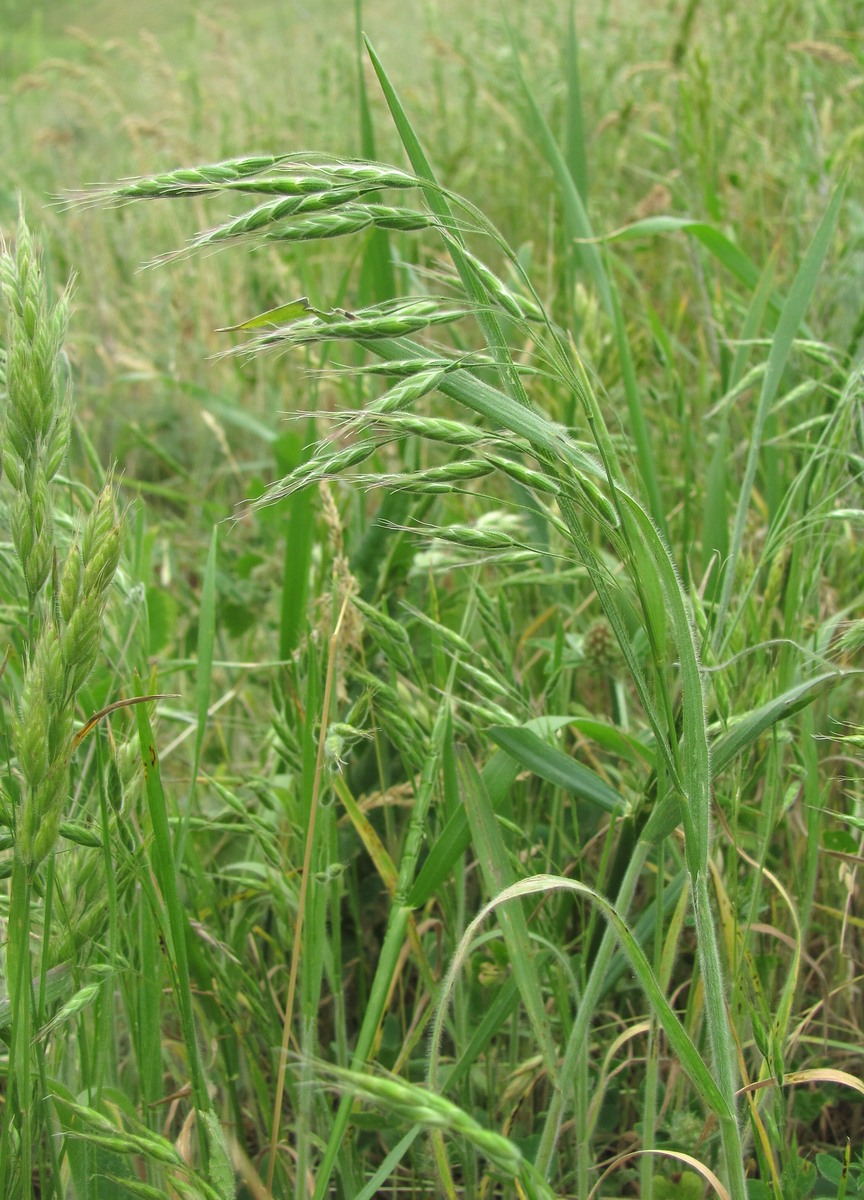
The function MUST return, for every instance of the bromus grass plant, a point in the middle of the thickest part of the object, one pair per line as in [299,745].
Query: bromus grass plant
[665,824]
[500,835]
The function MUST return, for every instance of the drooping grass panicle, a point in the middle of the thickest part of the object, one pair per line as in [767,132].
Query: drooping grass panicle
[273,222]
[394,319]
[294,174]
[423,1106]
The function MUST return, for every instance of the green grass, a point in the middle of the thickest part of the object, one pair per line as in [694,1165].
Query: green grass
[496,830]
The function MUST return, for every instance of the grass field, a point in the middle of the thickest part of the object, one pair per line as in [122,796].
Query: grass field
[432,755]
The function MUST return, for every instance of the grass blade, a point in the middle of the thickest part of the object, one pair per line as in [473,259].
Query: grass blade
[557,768]
[579,229]
[781,347]
[176,925]
[577,159]
[439,205]
[495,865]
[750,726]
[203,679]
[299,540]
[398,918]
[498,776]
[679,1039]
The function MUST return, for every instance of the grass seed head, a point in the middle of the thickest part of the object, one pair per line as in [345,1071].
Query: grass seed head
[422,1106]
[65,644]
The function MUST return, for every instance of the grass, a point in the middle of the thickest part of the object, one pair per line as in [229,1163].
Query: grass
[497,825]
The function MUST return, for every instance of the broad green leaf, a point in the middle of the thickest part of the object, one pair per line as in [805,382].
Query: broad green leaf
[716,243]
[220,1170]
[556,767]
[744,731]
[614,740]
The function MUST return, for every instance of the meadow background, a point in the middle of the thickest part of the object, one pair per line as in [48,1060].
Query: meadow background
[502,659]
